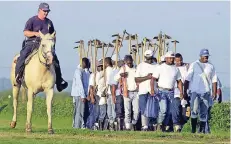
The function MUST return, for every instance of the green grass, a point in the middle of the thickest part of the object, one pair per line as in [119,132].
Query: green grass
[64,133]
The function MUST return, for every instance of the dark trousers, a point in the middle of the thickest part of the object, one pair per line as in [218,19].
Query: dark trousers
[119,107]
[27,48]
[93,113]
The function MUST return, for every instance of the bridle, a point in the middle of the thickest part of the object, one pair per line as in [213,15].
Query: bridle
[44,54]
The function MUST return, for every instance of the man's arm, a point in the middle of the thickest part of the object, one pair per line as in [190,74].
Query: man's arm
[180,87]
[138,78]
[28,30]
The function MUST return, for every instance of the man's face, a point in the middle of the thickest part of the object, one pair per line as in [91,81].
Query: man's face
[204,59]
[149,59]
[169,60]
[129,63]
[178,61]
[99,68]
[43,13]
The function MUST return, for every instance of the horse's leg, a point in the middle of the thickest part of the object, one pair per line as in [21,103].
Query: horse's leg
[15,104]
[30,98]
[49,99]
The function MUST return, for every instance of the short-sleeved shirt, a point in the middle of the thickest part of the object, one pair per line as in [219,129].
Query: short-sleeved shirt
[35,24]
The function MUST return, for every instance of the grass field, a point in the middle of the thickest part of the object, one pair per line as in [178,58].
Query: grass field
[64,133]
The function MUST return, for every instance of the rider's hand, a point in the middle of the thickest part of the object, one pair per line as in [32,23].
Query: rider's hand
[37,34]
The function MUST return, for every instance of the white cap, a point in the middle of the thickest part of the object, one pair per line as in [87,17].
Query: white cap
[162,58]
[148,53]
[114,57]
[169,54]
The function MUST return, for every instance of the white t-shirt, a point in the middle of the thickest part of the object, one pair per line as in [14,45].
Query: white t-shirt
[143,69]
[183,71]
[131,84]
[197,78]
[167,75]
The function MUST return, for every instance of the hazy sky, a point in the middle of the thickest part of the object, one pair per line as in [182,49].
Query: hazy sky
[196,25]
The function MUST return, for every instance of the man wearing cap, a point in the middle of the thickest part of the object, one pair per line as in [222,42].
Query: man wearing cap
[97,101]
[167,74]
[131,99]
[79,93]
[116,95]
[200,78]
[35,24]
[143,77]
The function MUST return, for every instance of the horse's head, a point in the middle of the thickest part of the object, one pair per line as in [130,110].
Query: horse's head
[47,46]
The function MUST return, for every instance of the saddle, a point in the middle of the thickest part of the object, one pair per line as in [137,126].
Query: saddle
[27,60]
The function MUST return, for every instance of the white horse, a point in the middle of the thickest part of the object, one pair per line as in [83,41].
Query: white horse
[39,76]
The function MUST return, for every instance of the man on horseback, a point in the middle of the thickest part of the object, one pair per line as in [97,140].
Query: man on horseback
[31,31]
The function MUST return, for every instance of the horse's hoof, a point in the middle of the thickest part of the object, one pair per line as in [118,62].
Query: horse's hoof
[13,124]
[28,131]
[50,131]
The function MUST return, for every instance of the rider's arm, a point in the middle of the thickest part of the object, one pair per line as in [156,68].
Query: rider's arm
[28,30]
[30,33]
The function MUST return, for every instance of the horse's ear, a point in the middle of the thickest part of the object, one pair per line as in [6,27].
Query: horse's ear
[53,34]
[41,34]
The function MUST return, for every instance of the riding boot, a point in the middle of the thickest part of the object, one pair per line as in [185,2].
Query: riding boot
[202,127]
[61,84]
[194,124]
[118,128]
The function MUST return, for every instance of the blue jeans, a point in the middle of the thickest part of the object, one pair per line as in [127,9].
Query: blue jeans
[199,105]
[79,116]
[111,109]
[119,106]
[166,103]
[146,121]
[93,113]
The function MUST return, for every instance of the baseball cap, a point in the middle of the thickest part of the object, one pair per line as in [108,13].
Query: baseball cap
[204,52]
[169,54]
[44,6]
[148,53]
[114,57]
[99,62]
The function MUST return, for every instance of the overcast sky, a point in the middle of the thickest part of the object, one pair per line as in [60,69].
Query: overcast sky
[195,25]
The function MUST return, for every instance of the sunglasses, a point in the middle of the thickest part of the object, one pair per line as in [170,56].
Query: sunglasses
[46,11]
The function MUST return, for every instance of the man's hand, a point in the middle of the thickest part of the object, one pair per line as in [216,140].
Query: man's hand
[149,76]
[36,34]
[93,100]
[182,96]
[83,100]
[88,98]
[124,74]
[114,99]
[214,96]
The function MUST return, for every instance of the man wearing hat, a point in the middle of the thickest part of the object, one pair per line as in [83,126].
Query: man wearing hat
[144,77]
[201,77]
[167,74]
[116,95]
[35,24]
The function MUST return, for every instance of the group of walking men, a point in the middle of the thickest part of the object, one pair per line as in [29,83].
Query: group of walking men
[148,97]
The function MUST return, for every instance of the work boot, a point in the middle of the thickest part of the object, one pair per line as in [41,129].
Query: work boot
[112,127]
[194,124]
[177,128]
[100,125]
[134,127]
[202,127]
